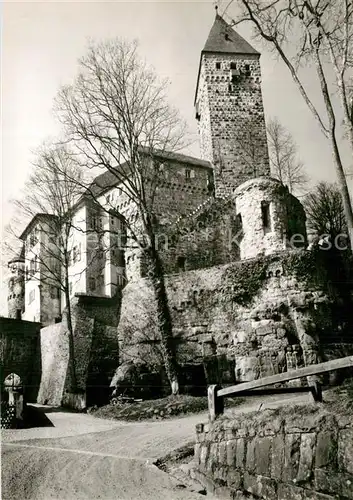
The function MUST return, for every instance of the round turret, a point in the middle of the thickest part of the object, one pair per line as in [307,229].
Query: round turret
[272,219]
[16,286]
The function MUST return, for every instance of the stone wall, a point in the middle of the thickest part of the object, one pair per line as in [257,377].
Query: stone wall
[295,453]
[203,238]
[55,357]
[96,351]
[240,321]
[20,353]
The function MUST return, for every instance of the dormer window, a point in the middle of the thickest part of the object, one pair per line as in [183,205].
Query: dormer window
[233,65]
[218,65]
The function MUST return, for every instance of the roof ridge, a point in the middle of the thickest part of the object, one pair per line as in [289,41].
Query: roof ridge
[223,38]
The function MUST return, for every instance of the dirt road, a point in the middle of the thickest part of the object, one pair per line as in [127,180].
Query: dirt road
[82,457]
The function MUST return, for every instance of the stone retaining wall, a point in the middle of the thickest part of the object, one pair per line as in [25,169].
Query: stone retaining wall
[252,318]
[296,453]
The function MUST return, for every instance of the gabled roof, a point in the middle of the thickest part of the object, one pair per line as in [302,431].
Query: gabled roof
[37,218]
[108,179]
[223,38]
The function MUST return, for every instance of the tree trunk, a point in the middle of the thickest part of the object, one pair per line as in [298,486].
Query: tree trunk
[72,363]
[342,181]
[164,321]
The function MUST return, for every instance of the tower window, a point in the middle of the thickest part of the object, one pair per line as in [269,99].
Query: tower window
[181,263]
[218,65]
[92,284]
[266,219]
[31,296]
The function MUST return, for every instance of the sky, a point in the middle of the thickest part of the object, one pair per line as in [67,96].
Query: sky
[42,41]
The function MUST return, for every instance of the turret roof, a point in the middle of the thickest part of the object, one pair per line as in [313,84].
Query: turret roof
[19,256]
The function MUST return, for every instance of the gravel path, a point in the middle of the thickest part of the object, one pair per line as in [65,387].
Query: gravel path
[82,457]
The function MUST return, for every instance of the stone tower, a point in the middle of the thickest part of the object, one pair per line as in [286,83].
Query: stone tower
[229,109]
[16,286]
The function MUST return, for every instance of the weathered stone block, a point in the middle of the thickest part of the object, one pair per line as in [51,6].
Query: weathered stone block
[246,368]
[334,482]
[204,455]
[326,445]
[222,453]
[263,455]
[306,456]
[250,455]
[289,492]
[262,487]
[291,456]
[240,337]
[265,330]
[345,450]
[277,462]
[240,452]
[212,460]
[231,453]
[234,479]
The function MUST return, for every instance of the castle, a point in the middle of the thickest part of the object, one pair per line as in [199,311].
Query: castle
[230,115]
[234,212]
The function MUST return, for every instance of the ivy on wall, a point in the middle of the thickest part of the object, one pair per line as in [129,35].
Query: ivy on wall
[244,280]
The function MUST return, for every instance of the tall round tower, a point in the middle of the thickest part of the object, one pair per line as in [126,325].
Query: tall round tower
[16,286]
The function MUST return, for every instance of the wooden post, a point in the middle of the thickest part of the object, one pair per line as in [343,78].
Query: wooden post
[215,403]
[316,390]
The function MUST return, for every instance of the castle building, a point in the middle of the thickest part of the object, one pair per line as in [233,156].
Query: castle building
[231,206]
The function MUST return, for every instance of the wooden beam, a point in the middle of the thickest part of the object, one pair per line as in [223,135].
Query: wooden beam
[274,390]
[334,364]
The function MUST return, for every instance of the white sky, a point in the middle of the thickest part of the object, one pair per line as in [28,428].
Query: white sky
[41,42]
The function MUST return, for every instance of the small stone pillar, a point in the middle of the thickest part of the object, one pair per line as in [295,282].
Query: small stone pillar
[13,385]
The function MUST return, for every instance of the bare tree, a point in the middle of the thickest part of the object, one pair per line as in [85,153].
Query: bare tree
[117,118]
[283,153]
[52,190]
[319,33]
[324,209]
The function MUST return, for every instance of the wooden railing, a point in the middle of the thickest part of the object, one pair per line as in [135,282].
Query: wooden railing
[255,388]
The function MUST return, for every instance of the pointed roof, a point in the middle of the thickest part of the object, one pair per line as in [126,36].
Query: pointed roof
[19,256]
[223,38]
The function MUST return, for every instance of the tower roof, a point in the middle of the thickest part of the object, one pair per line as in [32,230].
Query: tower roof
[19,256]
[223,38]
